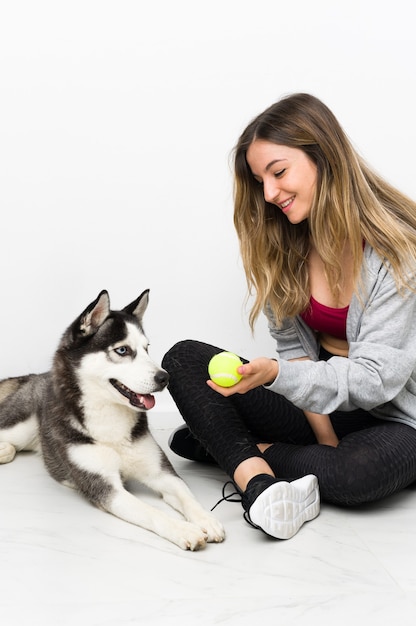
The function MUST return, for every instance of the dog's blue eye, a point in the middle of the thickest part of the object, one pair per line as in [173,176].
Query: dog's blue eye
[122,351]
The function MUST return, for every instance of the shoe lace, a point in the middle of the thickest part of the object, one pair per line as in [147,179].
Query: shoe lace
[234,496]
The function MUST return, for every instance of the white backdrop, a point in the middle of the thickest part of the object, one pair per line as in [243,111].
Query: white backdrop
[117,122]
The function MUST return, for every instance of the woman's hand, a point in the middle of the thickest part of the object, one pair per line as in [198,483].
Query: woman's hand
[260,371]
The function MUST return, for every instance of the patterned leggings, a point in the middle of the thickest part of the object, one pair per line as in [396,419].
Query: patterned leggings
[374,458]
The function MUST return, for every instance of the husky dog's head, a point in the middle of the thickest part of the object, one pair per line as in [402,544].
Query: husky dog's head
[105,354]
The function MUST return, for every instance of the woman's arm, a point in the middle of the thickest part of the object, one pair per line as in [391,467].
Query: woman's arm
[381,362]
[322,428]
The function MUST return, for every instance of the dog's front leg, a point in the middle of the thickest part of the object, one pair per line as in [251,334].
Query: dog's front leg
[186,535]
[95,471]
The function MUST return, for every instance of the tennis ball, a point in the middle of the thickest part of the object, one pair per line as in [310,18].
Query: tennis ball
[222,369]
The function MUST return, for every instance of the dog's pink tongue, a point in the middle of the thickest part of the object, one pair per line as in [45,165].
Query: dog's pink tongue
[140,400]
[148,401]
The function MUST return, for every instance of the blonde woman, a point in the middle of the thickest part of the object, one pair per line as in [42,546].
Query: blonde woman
[329,252]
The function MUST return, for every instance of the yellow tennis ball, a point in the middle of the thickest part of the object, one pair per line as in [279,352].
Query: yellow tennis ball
[222,369]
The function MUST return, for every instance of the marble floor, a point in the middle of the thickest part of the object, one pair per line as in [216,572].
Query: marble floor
[65,563]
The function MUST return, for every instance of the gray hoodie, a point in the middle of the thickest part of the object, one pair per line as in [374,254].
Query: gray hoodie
[379,374]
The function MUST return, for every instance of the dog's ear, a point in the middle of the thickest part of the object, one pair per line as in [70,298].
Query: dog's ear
[95,314]
[139,306]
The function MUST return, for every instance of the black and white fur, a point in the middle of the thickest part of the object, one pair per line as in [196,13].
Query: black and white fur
[87,417]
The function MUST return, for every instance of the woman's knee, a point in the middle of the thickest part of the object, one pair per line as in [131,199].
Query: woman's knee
[355,479]
[188,353]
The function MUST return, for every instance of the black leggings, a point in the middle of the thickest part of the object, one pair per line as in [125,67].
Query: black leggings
[374,458]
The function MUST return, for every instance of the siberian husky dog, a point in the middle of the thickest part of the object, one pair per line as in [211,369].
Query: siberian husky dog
[87,417]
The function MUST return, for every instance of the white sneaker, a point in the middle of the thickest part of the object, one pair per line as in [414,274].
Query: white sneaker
[281,509]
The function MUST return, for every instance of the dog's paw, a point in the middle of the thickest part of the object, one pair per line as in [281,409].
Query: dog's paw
[213,529]
[7,452]
[189,536]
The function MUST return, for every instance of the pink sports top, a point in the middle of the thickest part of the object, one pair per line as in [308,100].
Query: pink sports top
[326,319]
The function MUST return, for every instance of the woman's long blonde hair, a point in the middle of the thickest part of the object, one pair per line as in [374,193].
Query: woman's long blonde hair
[351,204]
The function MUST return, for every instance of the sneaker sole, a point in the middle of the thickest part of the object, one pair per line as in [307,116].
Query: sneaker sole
[284,507]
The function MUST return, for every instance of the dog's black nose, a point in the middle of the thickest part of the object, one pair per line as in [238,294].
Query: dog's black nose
[162,378]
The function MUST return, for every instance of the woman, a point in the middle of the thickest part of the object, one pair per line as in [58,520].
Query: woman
[329,252]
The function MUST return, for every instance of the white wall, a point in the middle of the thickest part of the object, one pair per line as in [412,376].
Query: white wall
[117,119]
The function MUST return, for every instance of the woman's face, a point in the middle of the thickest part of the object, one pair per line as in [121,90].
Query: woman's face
[288,177]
